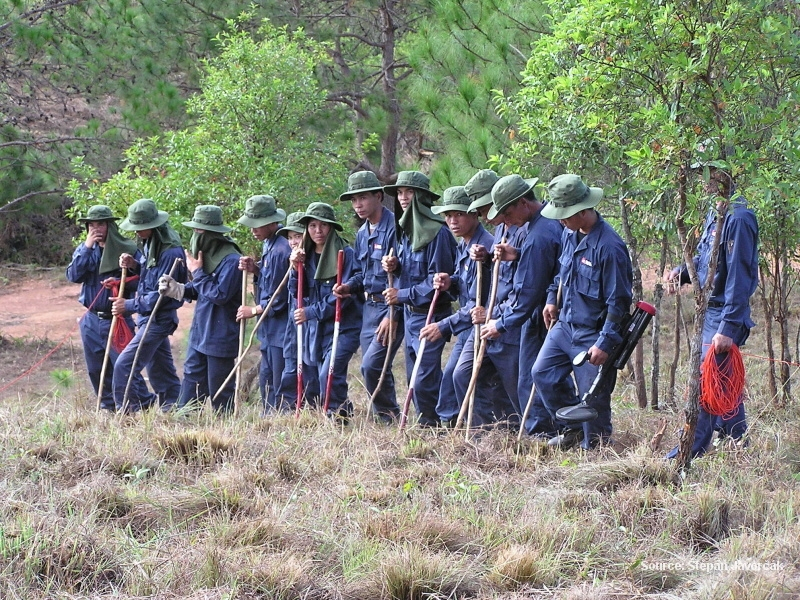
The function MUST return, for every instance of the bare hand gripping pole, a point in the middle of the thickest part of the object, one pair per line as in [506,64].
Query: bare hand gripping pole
[108,343]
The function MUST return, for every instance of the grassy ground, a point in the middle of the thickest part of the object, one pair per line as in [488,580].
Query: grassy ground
[156,506]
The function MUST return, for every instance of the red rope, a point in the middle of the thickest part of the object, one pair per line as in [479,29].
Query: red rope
[722,382]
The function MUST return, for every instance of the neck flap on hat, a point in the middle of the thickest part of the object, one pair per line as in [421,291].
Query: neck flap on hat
[418,221]
[329,258]
[115,245]
[214,246]
[162,238]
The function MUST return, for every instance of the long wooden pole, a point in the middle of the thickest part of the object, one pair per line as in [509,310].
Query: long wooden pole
[337,319]
[238,368]
[412,380]
[299,402]
[153,314]
[388,357]
[109,342]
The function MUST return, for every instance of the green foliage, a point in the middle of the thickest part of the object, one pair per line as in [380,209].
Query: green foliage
[249,136]
[462,52]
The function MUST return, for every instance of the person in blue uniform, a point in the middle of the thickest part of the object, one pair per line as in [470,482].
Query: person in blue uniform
[594,276]
[95,262]
[463,281]
[375,238]
[727,320]
[517,324]
[264,219]
[216,285]
[161,248]
[426,247]
[294,231]
[319,258]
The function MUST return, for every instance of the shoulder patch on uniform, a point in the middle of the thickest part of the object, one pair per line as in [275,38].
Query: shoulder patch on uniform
[730,246]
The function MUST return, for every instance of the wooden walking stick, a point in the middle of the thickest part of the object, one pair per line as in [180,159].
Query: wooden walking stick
[415,370]
[390,343]
[529,404]
[299,402]
[108,343]
[337,319]
[476,364]
[238,368]
[253,333]
[161,297]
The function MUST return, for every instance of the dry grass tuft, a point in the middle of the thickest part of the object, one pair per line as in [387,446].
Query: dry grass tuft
[517,565]
[286,468]
[263,533]
[409,573]
[50,451]
[608,476]
[281,577]
[203,447]
[433,532]
[709,524]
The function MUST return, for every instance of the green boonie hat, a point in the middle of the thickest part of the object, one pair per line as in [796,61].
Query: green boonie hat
[208,218]
[99,212]
[479,188]
[260,211]
[411,179]
[455,199]
[569,195]
[321,212]
[507,190]
[143,214]
[362,181]
[293,223]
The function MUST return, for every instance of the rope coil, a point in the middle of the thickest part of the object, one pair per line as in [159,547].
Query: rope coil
[722,382]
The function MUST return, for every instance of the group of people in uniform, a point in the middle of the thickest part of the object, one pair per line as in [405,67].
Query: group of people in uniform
[550,281]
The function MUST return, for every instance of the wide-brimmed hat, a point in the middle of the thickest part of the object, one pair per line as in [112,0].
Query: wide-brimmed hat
[143,214]
[479,188]
[208,218]
[99,212]
[293,223]
[569,195]
[321,212]
[411,179]
[507,190]
[454,199]
[260,211]
[361,181]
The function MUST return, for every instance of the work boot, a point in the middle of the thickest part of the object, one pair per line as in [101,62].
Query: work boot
[566,440]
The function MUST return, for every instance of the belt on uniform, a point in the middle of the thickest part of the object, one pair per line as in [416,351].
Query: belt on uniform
[377,298]
[101,314]
[423,310]
[715,304]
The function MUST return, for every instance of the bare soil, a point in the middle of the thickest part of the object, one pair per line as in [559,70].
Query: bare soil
[39,311]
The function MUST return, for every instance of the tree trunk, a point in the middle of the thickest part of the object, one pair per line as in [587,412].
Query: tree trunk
[765,303]
[638,294]
[390,140]
[659,294]
[783,319]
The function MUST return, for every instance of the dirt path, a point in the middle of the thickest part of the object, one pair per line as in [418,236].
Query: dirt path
[38,310]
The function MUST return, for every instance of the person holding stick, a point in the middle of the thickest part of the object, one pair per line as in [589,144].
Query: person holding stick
[161,251]
[517,322]
[264,219]
[375,239]
[594,277]
[426,247]
[216,286]
[95,265]
[293,231]
[463,224]
[320,265]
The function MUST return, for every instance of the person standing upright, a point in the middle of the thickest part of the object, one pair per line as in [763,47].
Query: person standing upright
[161,247]
[727,320]
[375,238]
[216,285]
[426,247]
[94,263]
[264,219]
[595,278]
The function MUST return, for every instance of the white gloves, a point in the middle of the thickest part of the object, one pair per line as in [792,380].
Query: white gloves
[167,286]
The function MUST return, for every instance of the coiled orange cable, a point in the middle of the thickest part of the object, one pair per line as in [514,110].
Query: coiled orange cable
[722,382]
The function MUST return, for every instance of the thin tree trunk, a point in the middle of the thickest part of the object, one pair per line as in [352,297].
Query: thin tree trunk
[659,295]
[765,303]
[638,294]
[783,319]
[676,353]
[390,139]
